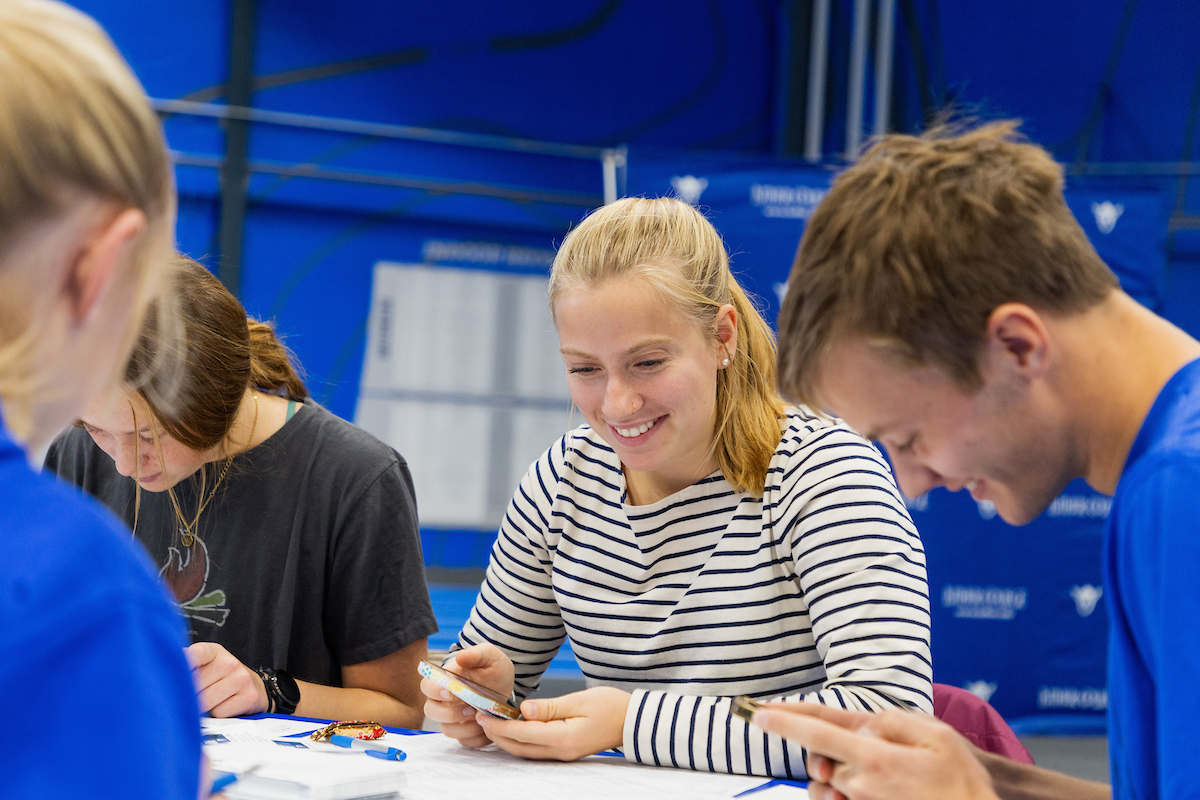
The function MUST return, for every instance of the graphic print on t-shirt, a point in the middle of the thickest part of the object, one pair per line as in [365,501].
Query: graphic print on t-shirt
[186,572]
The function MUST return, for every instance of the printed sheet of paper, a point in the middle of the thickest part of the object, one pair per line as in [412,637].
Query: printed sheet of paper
[443,769]
[271,771]
[236,729]
[438,768]
[302,769]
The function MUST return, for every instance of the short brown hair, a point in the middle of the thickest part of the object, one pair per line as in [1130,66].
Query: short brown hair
[919,241]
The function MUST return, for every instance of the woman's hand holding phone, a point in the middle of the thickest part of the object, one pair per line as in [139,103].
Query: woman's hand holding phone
[484,664]
[563,728]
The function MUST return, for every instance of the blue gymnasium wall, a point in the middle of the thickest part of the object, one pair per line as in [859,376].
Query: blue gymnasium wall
[709,90]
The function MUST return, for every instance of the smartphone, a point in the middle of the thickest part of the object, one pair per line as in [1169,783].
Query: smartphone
[471,693]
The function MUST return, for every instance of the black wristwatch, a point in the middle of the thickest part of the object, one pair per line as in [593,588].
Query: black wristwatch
[283,694]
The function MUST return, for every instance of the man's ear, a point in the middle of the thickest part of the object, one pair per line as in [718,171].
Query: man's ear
[1017,335]
[102,249]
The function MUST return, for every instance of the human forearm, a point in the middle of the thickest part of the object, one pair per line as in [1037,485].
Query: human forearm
[1015,781]
[665,729]
[339,703]
[386,690]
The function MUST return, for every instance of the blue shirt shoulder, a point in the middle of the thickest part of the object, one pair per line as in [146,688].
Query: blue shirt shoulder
[88,637]
[1152,560]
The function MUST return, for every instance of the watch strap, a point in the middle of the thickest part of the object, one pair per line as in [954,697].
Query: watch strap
[283,693]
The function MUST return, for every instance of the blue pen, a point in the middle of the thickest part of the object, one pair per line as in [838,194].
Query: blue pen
[374,749]
[226,779]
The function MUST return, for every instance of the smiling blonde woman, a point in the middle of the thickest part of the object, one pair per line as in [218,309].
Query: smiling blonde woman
[695,540]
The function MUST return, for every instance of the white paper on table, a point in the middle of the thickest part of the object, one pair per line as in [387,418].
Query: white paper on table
[235,729]
[438,768]
[441,769]
[285,772]
[287,731]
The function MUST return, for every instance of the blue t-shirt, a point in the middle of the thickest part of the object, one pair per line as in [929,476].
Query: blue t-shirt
[1152,568]
[89,644]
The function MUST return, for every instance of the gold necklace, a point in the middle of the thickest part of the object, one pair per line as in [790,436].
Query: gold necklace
[187,535]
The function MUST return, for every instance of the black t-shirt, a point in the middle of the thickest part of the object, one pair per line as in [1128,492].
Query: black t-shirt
[308,556]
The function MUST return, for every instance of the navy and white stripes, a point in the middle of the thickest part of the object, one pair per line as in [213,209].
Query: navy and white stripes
[816,590]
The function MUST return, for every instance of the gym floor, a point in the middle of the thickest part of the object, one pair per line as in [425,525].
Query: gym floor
[1082,756]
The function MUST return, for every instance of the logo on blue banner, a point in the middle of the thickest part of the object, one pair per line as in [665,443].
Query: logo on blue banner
[688,188]
[1086,597]
[984,602]
[1107,214]
[436,251]
[1084,698]
[788,202]
[1077,505]
[981,689]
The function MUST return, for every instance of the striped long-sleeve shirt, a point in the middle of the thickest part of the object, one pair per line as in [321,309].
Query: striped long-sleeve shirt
[814,591]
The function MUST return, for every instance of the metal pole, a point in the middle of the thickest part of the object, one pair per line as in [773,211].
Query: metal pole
[381,130]
[622,171]
[312,171]
[858,76]
[613,160]
[235,176]
[885,34]
[818,59]
[609,167]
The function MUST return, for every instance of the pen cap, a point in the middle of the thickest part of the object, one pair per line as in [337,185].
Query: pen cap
[376,749]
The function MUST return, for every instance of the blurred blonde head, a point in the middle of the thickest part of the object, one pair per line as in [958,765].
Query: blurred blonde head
[673,248]
[77,137]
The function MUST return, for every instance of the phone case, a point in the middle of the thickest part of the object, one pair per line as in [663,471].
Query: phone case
[469,692]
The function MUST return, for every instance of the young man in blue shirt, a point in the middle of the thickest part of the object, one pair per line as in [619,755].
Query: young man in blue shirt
[945,303]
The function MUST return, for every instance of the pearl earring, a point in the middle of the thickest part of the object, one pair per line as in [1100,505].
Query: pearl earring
[725,363]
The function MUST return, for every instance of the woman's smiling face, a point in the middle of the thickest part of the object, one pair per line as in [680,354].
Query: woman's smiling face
[644,377]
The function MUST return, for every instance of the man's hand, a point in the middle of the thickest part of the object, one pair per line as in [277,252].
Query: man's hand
[894,755]
[225,687]
[484,664]
[562,728]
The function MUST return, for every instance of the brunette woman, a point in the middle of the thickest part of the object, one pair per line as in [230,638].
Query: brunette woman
[288,536]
